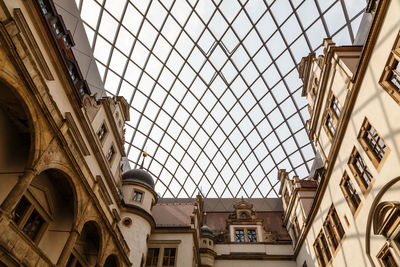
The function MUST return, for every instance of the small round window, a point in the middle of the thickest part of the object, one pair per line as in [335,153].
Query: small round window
[127,221]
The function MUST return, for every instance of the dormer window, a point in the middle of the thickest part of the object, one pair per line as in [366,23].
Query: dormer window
[243,215]
[252,235]
[239,233]
[245,235]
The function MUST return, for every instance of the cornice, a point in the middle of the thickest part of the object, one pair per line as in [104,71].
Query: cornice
[141,212]
[128,182]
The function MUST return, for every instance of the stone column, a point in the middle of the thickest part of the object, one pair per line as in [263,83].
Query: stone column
[69,245]
[16,193]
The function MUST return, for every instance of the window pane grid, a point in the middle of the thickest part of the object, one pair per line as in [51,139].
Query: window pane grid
[212,61]
[362,170]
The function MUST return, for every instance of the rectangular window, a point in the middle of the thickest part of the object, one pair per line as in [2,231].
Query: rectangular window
[373,143]
[286,197]
[28,219]
[152,256]
[322,250]
[333,228]
[137,196]
[335,106]
[332,116]
[239,233]
[169,257]
[101,133]
[395,75]
[350,193]
[21,210]
[330,125]
[252,235]
[360,170]
[110,154]
[390,79]
[33,225]
[296,228]
[386,258]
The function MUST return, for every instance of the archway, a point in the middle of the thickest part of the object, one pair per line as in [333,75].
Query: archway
[16,137]
[46,211]
[111,261]
[87,246]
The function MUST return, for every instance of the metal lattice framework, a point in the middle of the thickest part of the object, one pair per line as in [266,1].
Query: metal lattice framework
[213,86]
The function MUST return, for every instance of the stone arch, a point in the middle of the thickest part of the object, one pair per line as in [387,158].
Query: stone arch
[53,193]
[112,261]
[72,181]
[88,246]
[12,86]
[17,137]
[372,210]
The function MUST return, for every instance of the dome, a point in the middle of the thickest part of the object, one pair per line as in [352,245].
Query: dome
[205,230]
[140,176]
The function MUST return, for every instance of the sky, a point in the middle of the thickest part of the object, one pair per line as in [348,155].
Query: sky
[213,87]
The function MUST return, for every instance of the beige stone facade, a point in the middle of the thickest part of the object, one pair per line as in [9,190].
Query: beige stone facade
[64,200]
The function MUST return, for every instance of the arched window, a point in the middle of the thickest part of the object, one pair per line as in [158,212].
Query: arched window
[386,222]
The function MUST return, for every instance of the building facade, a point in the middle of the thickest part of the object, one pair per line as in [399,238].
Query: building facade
[66,199]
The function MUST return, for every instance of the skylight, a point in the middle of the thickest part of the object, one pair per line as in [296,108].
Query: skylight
[213,87]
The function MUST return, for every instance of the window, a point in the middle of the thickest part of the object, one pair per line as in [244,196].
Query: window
[295,229]
[239,233]
[101,133]
[360,171]
[386,258]
[169,257]
[390,79]
[335,106]
[252,236]
[349,192]
[152,256]
[137,196]
[333,228]
[110,154]
[332,116]
[29,219]
[286,197]
[43,7]
[243,235]
[330,125]
[322,250]
[373,144]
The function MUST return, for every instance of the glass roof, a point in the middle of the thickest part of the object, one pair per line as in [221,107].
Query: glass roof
[213,87]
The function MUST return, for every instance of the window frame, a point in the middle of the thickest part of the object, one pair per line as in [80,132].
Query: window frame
[334,230]
[385,81]
[137,191]
[372,155]
[33,207]
[362,183]
[246,239]
[296,229]
[161,248]
[102,140]
[323,255]
[331,118]
[349,194]
[385,251]
[111,159]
